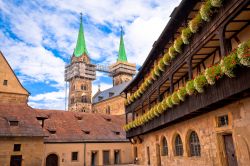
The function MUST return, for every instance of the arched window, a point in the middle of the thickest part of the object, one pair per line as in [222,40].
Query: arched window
[178,146]
[194,144]
[164,144]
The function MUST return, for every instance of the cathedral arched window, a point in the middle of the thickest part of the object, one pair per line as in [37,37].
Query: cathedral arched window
[194,144]
[164,144]
[178,146]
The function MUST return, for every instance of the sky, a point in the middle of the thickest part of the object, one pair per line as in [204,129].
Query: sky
[38,38]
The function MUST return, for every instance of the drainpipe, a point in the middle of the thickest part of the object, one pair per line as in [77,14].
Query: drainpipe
[84,151]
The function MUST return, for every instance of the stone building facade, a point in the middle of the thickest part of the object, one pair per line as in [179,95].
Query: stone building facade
[188,107]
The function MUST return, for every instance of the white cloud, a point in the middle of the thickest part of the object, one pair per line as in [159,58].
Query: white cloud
[48,25]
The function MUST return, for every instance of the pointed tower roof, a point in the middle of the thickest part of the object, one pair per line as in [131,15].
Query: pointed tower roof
[122,53]
[80,45]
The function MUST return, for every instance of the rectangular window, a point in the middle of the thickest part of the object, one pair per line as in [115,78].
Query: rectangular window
[111,94]
[13,123]
[17,147]
[223,121]
[5,82]
[105,157]
[74,156]
[117,156]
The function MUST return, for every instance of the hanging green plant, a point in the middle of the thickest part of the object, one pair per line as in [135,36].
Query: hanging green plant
[160,108]
[216,3]
[200,82]
[229,63]
[156,71]
[195,23]
[149,80]
[164,104]
[156,113]
[213,73]
[175,99]
[161,65]
[190,87]
[172,52]
[178,43]
[243,53]
[166,59]
[182,93]
[186,35]
[169,102]
[206,11]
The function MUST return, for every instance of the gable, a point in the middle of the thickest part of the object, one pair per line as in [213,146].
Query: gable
[7,76]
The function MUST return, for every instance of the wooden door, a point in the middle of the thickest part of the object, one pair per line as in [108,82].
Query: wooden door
[158,155]
[230,151]
[16,160]
[52,160]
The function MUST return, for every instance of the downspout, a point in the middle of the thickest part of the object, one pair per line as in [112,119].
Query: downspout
[84,151]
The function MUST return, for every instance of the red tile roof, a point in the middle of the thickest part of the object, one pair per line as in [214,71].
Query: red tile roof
[26,117]
[82,127]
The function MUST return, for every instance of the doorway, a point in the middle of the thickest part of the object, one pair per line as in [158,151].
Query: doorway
[16,160]
[106,157]
[158,155]
[229,150]
[52,160]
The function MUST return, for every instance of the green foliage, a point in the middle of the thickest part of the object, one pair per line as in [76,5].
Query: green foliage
[200,82]
[161,65]
[172,52]
[216,3]
[182,92]
[229,63]
[206,11]
[166,59]
[178,45]
[190,87]
[169,102]
[243,53]
[195,23]
[175,98]
[213,73]
[186,35]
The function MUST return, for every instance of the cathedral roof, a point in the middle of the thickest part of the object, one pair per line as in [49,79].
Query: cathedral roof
[78,127]
[80,45]
[18,120]
[122,57]
[110,93]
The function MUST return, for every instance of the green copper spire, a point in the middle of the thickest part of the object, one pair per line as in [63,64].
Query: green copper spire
[122,53]
[80,45]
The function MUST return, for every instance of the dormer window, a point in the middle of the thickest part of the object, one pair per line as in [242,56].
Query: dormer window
[107,119]
[52,130]
[86,131]
[117,132]
[5,82]
[100,98]
[111,94]
[13,123]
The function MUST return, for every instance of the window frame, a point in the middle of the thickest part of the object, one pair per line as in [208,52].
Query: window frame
[194,144]
[178,146]
[17,147]
[72,156]
[164,149]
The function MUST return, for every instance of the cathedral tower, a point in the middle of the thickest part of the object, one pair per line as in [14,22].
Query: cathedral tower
[122,71]
[80,73]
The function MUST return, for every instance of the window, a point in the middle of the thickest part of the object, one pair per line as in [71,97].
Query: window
[5,82]
[100,98]
[74,156]
[194,144]
[178,146]
[72,100]
[13,123]
[83,87]
[111,94]
[117,156]
[105,157]
[84,99]
[223,120]
[17,147]
[164,147]
[148,155]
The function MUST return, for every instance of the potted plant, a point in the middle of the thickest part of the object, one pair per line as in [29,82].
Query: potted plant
[216,3]
[206,11]
[190,87]
[182,93]
[161,65]
[195,23]
[178,45]
[213,73]
[243,53]
[169,102]
[172,52]
[186,35]
[166,59]
[175,98]
[200,82]
[229,63]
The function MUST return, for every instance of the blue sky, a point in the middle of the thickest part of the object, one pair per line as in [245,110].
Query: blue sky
[38,38]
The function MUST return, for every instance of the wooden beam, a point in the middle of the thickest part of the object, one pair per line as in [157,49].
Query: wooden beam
[190,69]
